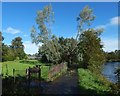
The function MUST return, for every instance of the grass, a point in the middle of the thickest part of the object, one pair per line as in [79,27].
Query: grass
[91,83]
[7,67]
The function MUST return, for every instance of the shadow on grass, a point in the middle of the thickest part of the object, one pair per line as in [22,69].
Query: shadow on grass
[20,86]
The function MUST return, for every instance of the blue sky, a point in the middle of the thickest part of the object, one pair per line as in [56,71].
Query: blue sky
[18,18]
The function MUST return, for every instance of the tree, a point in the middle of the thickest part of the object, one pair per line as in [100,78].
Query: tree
[5,51]
[113,55]
[18,47]
[91,49]
[44,20]
[89,42]
[50,47]
[85,17]
[50,52]
[67,53]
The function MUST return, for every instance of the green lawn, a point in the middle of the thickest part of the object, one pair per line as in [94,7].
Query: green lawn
[21,68]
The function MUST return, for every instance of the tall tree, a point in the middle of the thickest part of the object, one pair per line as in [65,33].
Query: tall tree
[91,49]
[6,52]
[44,20]
[50,47]
[84,18]
[89,42]
[18,47]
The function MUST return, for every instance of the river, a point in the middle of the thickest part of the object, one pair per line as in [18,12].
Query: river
[108,70]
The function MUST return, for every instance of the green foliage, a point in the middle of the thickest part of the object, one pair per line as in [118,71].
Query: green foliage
[50,51]
[68,52]
[91,49]
[50,47]
[92,84]
[17,58]
[18,48]
[44,20]
[14,51]
[85,17]
[113,56]
[62,50]
[7,53]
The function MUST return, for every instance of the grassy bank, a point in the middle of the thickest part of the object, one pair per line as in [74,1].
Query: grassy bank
[20,66]
[92,84]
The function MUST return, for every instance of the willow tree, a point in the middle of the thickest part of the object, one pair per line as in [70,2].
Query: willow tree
[50,46]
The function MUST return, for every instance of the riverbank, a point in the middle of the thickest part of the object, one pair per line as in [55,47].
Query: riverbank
[92,84]
[113,60]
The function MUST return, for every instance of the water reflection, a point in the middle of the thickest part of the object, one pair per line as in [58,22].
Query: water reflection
[108,70]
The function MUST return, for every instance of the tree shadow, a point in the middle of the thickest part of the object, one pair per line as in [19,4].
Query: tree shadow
[21,86]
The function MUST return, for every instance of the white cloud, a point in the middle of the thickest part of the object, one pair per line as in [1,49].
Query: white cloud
[30,48]
[110,44]
[115,21]
[100,26]
[12,30]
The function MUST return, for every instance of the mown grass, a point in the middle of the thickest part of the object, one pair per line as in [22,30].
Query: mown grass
[20,67]
[91,84]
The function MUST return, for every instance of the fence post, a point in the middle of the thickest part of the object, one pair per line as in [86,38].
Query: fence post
[6,70]
[39,73]
[14,74]
[29,75]
[29,80]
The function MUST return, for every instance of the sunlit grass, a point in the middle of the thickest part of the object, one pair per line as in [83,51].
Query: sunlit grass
[7,68]
[92,82]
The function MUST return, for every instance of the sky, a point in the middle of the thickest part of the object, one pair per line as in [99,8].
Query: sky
[18,19]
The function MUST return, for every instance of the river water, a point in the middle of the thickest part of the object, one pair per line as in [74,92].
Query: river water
[109,69]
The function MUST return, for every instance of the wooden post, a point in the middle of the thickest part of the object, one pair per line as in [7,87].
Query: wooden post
[39,73]
[29,80]
[29,75]
[6,70]
[14,74]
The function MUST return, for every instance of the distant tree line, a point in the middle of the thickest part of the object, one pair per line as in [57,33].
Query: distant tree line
[15,51]
[113,56]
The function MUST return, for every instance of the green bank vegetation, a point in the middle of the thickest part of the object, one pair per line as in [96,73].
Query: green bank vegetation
[93,84]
